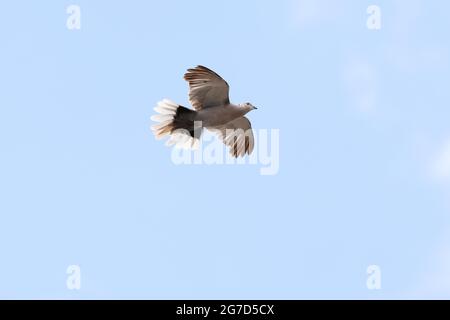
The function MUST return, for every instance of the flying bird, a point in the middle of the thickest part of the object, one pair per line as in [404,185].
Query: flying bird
[209,96]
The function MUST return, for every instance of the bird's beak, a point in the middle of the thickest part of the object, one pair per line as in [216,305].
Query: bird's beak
[255,108]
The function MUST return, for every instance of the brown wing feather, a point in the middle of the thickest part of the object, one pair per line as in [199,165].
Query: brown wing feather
[207,88]
[238,135]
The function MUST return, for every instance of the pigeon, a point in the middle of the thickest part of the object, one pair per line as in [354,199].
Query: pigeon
[209,96]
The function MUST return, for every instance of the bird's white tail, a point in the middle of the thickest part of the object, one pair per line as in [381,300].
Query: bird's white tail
[177,122]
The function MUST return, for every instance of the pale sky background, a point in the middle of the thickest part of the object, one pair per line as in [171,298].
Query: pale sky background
[364,179]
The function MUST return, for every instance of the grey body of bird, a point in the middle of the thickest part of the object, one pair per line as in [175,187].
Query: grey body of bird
[219,115]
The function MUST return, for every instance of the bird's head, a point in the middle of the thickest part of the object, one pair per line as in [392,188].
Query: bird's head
[248,106]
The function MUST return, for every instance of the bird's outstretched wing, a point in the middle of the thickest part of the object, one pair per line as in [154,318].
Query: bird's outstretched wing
[238,135]
[207,88]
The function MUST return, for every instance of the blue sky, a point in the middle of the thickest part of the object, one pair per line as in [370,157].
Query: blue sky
[364,171]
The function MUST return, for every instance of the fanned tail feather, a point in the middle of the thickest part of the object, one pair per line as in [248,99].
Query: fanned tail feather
[177,122]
